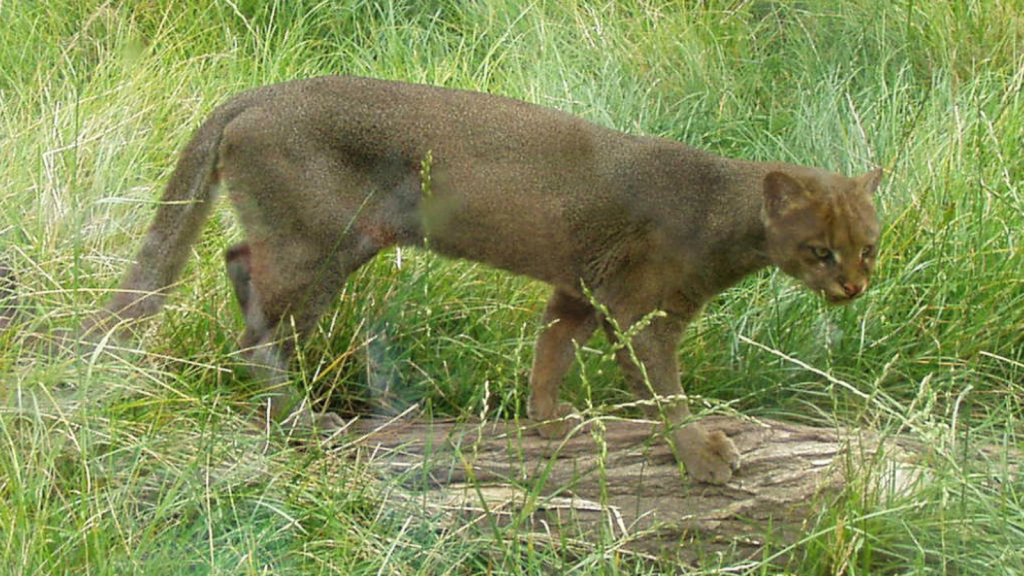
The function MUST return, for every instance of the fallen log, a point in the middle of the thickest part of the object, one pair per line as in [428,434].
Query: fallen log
[617,481]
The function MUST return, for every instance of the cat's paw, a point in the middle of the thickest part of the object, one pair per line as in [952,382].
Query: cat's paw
[303,420]
[712,460]
[329,422]
[561,422]
[721,445]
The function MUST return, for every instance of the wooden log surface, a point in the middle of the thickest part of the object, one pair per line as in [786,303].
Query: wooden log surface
[618,480]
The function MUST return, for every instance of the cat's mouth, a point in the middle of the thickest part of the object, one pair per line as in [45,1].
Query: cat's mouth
[841,293]
[841,298]
[837,299]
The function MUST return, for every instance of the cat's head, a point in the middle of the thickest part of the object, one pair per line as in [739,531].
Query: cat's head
[821,228]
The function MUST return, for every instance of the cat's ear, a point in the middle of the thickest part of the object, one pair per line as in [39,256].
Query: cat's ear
[782,193]
[869,181]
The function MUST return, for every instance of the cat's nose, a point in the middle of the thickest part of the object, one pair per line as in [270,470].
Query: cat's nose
[852,290]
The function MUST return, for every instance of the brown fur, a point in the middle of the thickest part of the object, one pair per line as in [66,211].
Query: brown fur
[324,173]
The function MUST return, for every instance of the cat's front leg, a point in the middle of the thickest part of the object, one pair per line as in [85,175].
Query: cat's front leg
[648,360]
[569,321]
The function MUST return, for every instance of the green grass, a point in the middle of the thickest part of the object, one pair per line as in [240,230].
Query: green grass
[144,465]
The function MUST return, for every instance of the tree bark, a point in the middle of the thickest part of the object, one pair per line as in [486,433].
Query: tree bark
[617,482]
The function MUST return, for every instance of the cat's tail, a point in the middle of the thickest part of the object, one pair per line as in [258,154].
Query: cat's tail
[182,210]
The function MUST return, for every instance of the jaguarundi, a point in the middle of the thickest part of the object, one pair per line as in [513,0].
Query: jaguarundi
[326,172]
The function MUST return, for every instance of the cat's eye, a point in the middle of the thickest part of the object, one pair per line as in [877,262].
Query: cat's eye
[822,253]
[867,252]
